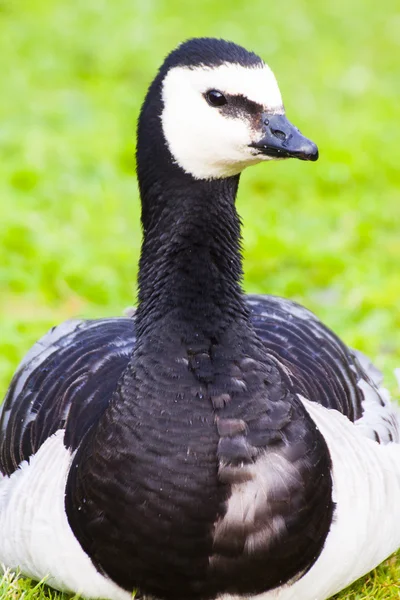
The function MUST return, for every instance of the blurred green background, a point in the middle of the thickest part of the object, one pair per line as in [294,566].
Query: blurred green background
[73,75]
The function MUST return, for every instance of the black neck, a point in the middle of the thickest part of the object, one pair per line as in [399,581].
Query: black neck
[190,265]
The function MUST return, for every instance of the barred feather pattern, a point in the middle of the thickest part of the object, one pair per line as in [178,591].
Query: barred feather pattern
[68,377]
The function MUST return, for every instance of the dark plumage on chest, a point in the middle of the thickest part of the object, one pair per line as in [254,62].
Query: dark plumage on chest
[214,472]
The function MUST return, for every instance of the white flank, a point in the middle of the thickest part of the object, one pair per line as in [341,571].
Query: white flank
[366,525]
[204,142]
[35,535]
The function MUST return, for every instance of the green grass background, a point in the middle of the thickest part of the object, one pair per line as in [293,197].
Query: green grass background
[73,75]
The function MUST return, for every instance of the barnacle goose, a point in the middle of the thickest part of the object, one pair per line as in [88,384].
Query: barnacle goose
[212,445]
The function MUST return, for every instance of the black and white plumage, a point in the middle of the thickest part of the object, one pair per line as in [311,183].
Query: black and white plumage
[212,444]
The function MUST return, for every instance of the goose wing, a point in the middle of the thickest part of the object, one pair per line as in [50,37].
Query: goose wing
[320,367]
[64,382]
[68,377]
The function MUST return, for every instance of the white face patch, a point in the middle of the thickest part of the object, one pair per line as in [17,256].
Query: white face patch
[205,142]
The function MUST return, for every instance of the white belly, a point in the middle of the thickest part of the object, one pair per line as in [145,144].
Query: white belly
[35,535]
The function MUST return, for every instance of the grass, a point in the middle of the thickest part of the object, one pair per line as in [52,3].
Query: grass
[326,234]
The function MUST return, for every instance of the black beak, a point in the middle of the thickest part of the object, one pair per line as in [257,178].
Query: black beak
[281,139]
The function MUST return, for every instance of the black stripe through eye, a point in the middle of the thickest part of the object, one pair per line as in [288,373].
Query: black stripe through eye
[244,105]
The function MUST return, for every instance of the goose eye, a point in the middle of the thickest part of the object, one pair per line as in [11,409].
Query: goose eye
[215,98]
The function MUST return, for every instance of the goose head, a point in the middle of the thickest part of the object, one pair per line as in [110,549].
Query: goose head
[221,110]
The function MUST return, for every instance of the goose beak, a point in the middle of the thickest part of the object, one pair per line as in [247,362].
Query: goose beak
[281,139]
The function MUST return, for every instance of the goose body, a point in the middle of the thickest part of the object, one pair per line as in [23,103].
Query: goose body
[211,445]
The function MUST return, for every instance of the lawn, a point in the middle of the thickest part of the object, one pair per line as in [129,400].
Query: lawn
[326,234]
